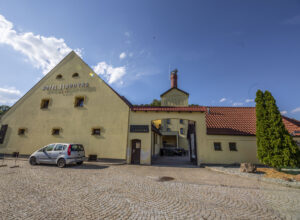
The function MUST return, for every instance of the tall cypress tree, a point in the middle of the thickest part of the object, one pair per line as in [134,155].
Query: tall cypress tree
[275,146]
[263,151]
[285,152]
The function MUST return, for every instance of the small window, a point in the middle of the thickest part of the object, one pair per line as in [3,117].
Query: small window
[75,75]
[181,121]
[181,131]
[168,129]
[217,146]
[59,76]
[55,131]
[21,131]
[168,121]
[96,131]
[45,103]
[79,101]
[232,146]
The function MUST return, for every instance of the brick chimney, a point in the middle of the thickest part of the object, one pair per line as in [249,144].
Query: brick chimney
[174,78]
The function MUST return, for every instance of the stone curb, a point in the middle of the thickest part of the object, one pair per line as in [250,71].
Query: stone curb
[263,179]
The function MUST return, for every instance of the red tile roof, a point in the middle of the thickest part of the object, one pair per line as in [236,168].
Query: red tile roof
[169,108]
[240,121]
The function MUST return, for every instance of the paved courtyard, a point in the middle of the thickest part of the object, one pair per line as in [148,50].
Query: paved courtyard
[108,191]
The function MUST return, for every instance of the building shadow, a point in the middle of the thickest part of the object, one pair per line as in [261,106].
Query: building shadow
[87,166]
[173,161]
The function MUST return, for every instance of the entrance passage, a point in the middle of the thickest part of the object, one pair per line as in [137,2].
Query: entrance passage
[135,151]
[173,142]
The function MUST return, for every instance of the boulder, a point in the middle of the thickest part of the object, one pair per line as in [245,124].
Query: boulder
[297,177]
[247,168]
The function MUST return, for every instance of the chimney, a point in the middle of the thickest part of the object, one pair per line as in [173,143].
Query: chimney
[174,78]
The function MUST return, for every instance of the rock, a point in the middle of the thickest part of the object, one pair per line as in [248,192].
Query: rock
[287,179]
[247,168]
[297,177]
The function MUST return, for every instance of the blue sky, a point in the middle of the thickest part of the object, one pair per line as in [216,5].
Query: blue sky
[224,50]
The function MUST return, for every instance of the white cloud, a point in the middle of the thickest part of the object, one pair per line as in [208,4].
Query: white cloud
[237,104]
[283,112]
[123,55]
[293,20]
[222,100]
[110,73]
[9,95]
[296,110]
[127,34]
[43,52]
[249,100]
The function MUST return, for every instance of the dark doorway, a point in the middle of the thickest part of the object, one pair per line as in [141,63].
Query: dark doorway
[135,151]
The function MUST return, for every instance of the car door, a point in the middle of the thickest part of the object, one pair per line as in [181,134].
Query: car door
[58,150]
[46,154]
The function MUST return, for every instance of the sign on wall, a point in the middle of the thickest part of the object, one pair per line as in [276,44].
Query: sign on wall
[65,86]
[139,128]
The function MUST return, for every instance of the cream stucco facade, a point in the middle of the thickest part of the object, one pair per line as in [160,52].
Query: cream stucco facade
[102,108]
[174,97]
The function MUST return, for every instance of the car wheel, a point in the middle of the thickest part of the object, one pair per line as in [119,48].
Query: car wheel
[79,163]
[32,161]
[61,163]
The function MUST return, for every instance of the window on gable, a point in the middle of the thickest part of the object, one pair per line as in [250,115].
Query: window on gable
[59,76]
[79,101]
[232,146]
[75,75]
[55,131]
[181,131]
[45,103]
[217,146]
[96,131]
[21,131]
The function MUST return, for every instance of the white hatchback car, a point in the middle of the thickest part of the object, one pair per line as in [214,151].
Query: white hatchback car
[58,153]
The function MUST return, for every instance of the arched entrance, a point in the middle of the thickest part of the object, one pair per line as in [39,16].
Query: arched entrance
[173,142]
[140,127]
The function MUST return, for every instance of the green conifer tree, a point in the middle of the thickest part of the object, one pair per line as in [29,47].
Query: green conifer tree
[283,149]
[275,146]
[263,151]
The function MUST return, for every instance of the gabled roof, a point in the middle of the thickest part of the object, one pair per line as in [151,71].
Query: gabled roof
[172,89]
[169,108]
[50,73]
[240,121]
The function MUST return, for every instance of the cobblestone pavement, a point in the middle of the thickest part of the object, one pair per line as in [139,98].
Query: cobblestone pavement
[105,191]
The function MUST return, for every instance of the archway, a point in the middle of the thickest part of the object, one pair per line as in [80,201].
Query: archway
[173,142]
[141,127]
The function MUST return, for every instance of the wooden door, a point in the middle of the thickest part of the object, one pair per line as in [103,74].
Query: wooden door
[135,151]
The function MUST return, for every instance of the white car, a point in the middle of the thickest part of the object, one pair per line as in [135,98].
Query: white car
[58,153]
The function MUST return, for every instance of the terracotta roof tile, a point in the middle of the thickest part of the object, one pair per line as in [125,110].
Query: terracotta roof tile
[240,121]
